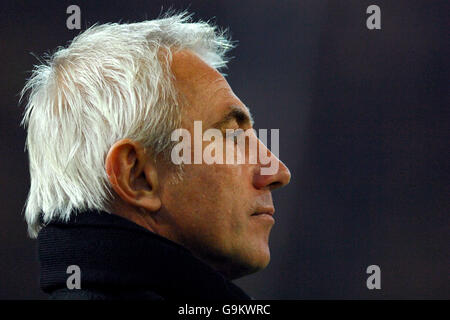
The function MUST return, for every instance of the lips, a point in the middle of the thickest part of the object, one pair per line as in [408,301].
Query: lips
[269,212]
[264,216]
[263,205]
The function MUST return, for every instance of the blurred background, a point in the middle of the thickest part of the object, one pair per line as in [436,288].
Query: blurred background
[363,118]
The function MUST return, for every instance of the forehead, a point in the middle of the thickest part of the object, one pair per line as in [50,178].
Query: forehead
[206,95]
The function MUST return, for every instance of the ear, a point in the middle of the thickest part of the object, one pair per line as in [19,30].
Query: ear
[132,174]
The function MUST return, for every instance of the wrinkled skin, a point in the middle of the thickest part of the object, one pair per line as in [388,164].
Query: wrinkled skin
[211,211]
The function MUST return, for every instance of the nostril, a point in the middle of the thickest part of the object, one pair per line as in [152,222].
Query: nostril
[274,185]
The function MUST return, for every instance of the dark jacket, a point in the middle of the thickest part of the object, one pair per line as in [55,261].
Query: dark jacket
[121,260]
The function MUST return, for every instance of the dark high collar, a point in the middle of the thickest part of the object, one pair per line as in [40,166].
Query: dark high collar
[116,254]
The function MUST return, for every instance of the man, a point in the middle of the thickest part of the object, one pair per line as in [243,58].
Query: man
[115,217]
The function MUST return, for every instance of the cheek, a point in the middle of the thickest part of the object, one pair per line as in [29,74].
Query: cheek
[200,191]
[211,197]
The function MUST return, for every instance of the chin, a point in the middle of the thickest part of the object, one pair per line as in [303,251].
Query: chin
[256,261]
[235,264]
[263,261]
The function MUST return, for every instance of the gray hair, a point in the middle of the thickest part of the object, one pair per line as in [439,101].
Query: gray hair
[112,82]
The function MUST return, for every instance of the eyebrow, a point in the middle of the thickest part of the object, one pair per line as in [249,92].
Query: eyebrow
[236,113]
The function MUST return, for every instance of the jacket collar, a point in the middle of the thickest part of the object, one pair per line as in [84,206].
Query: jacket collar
[114,253]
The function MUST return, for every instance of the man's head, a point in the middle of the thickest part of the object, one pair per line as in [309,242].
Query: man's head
[100,118]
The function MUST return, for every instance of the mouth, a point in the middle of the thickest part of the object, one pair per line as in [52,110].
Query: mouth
[259,213]
[266,214]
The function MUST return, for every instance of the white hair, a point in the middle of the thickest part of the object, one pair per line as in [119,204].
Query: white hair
[112,82]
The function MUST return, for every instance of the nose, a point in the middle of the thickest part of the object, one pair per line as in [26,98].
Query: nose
[271,179]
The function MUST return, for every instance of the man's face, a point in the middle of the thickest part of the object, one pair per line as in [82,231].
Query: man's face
[215,211]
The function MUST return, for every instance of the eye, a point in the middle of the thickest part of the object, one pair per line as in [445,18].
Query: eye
[234,134]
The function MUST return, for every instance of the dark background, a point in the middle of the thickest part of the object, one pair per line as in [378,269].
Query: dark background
[363,119]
